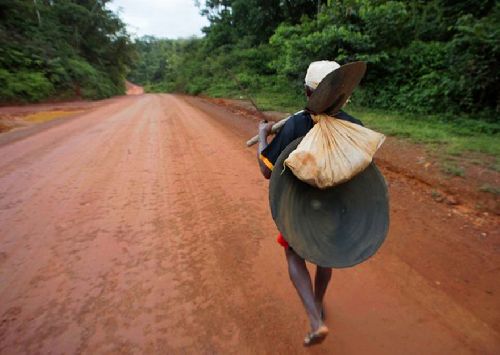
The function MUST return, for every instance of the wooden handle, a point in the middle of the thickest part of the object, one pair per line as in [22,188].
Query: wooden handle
[274,129]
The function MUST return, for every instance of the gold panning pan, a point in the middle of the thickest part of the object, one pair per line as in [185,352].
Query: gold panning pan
[335,227]
[336,88]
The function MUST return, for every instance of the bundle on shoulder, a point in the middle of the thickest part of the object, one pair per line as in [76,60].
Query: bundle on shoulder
[333,151]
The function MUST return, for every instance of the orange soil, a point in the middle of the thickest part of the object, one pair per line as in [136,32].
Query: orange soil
[142,226]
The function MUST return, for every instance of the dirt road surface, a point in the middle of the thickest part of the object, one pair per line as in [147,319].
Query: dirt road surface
[143,226]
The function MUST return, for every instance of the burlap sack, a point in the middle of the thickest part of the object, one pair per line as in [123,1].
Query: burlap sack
[333,151]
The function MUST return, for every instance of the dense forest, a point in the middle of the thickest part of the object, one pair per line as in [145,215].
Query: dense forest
[56,49]
[437,56]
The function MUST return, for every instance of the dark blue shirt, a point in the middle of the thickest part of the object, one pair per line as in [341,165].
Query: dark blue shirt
[297,126]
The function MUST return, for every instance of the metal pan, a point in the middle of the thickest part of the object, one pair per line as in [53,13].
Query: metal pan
[336,88]
[336,227]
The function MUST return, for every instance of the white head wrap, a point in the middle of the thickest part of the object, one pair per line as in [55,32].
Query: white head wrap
[318,70]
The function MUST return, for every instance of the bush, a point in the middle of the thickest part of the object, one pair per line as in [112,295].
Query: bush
[24,86]
[91,83]
[423,56]
[59,48]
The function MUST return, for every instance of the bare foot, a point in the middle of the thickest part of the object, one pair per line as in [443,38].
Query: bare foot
[317,336]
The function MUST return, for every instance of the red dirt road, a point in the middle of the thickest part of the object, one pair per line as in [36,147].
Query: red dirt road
[143,227]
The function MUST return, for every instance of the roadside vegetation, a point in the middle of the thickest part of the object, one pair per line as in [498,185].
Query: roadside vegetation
[433,69]
[433,72]
[61,49]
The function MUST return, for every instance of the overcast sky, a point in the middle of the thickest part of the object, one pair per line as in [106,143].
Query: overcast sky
[160,18]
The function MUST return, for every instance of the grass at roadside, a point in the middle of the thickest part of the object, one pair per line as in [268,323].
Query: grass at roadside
[453,137]
[447,136]
[281,102]
[450,138]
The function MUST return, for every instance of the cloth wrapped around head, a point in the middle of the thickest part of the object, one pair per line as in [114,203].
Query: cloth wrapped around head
[318,70]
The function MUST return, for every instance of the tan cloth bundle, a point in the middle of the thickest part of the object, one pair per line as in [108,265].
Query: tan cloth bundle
[333,151]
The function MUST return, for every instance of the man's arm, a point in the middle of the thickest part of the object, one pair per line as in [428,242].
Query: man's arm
[264,131]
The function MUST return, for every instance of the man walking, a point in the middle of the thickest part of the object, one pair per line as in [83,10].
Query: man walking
[297,126]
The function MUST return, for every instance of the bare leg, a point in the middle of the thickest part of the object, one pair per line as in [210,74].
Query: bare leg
[323,276]
[302,281]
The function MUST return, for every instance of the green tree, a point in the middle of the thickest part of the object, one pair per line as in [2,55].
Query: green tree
[423,56]
[79,47]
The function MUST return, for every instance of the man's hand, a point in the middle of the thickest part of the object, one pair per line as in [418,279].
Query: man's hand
[264,131]
[265,128]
